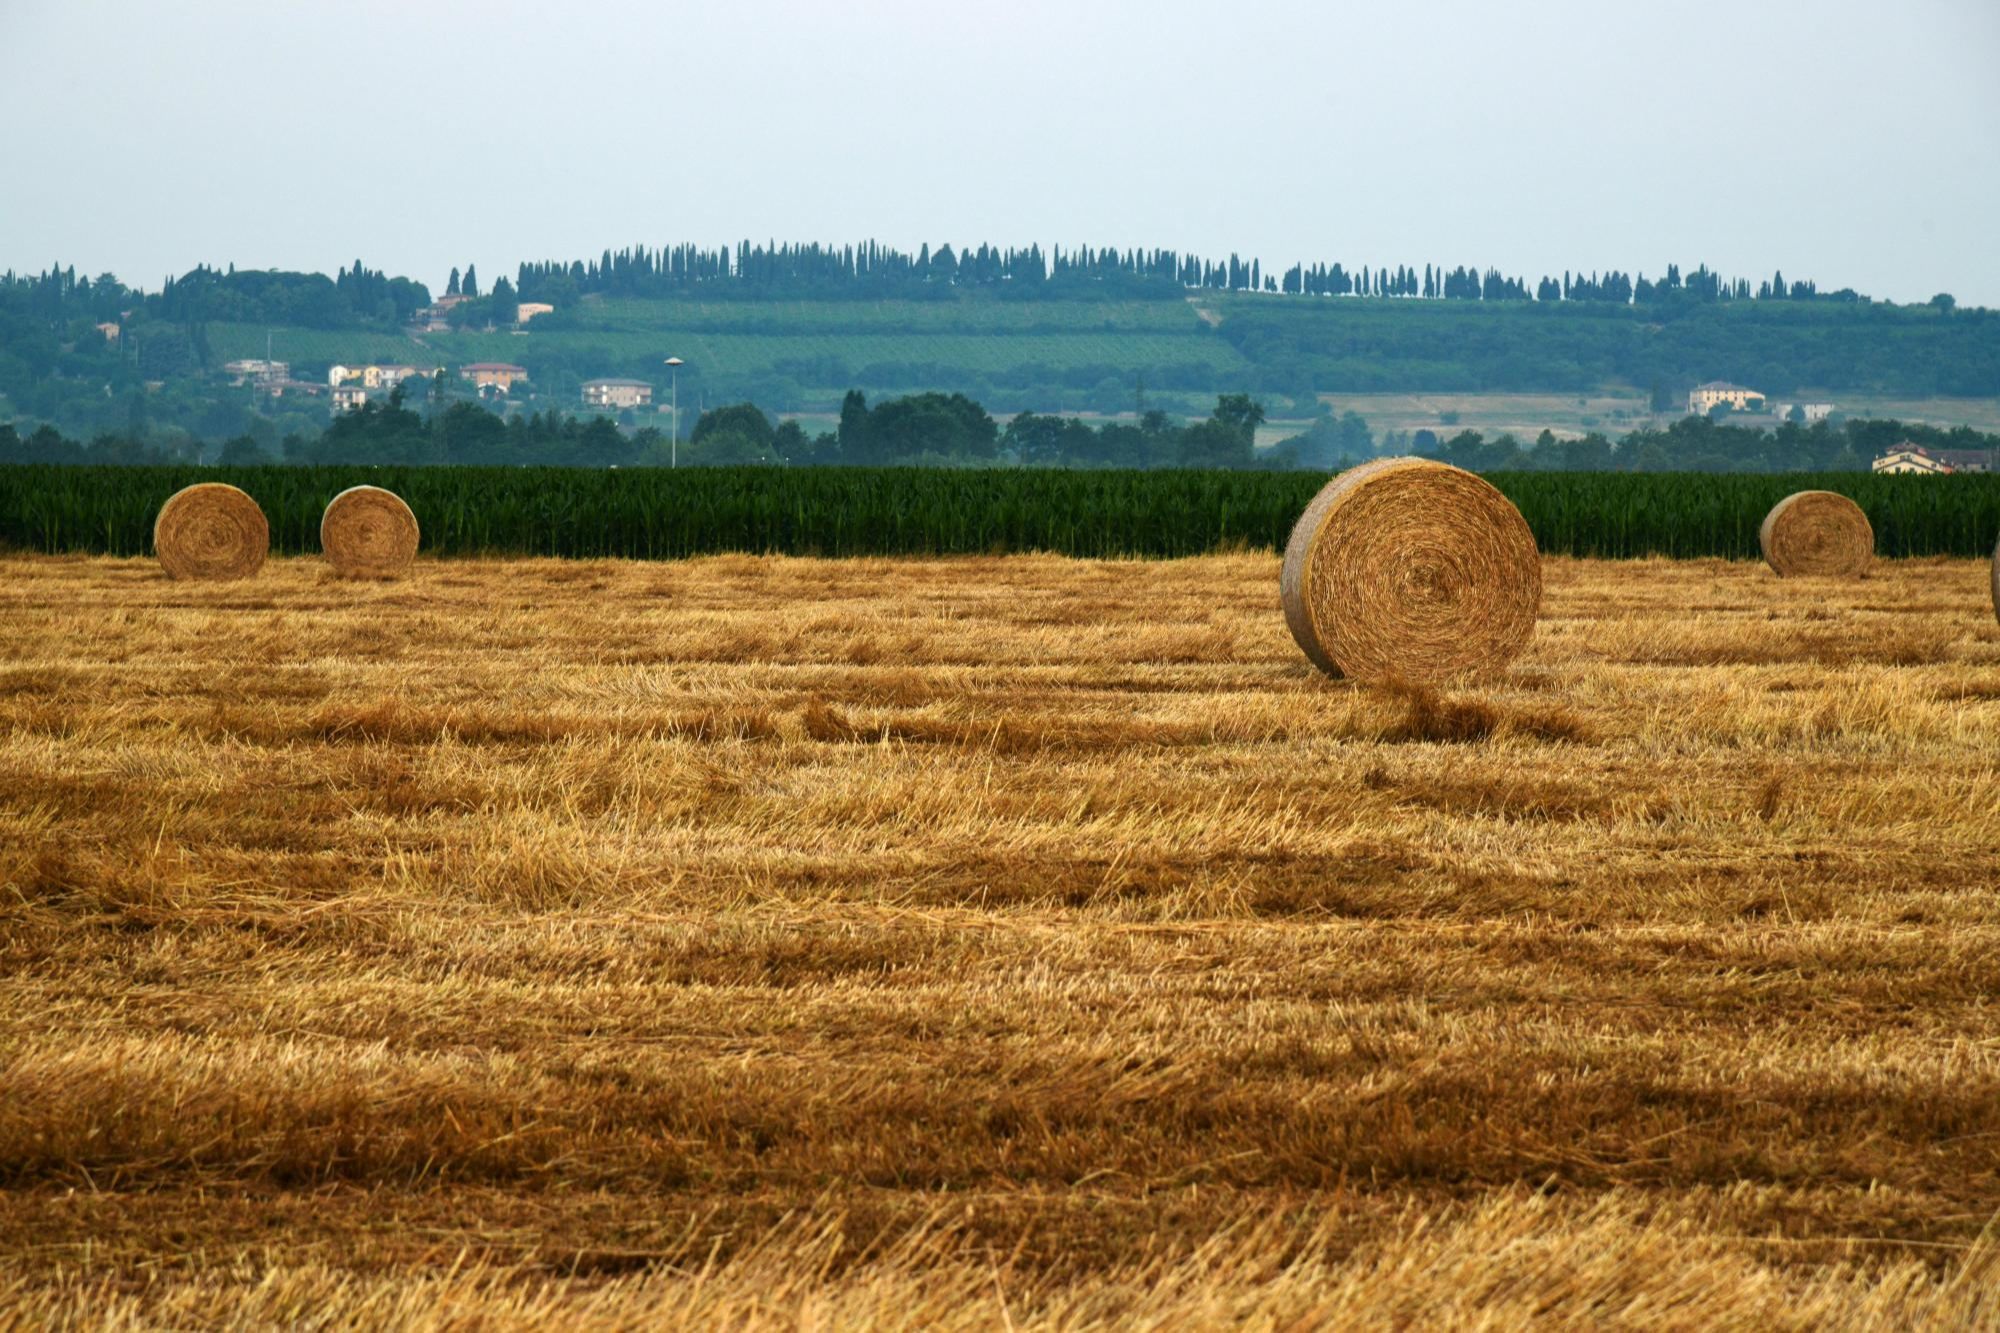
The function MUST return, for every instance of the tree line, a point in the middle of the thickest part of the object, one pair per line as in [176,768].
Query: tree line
[951,430]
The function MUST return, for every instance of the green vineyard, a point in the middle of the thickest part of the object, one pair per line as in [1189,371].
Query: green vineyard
[827,344]
[656,514]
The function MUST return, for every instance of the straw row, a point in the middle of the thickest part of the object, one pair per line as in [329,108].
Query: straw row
[1400,569]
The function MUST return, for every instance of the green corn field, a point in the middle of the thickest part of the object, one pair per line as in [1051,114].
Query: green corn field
[657,514]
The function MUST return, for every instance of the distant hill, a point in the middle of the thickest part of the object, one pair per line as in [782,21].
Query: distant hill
[1102,334]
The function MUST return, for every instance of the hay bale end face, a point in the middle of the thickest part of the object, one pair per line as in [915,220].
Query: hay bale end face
[211,531]
[1996,580]
[369,533]
[1413,570]
[1817,534]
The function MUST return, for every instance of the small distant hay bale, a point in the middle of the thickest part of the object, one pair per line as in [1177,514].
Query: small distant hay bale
[1411,570]
[369,533]
[1817,534]
[211,531]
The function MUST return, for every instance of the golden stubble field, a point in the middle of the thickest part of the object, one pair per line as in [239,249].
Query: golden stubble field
[1016,941]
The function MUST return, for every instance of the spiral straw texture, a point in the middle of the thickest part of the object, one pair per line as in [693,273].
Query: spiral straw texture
[1817,534]
[1410,569]
[369,533]
[211,531]
[1996,580]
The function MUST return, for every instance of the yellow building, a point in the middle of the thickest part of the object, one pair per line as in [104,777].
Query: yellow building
[1705,398]
[493,374]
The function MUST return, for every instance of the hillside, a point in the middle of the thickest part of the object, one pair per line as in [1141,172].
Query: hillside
[1083,347]
[1092,355]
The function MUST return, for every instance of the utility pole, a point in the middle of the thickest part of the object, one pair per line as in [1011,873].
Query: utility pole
[674,365]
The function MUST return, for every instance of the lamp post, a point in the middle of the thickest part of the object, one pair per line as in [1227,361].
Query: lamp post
[674,364]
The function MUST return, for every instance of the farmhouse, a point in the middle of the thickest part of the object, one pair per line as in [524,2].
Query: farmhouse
[527,310]
[264,372]
[1911,458]
[1968,460]
[493,374]
[1705,398]
[347,397]
[1808,412]
[617,393]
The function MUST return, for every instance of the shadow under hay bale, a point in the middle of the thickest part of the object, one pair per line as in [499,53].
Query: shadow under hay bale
[1410,569]
[211,531]
[1817,534]
[369,533]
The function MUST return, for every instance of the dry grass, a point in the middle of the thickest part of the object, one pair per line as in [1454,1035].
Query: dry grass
[1020,940]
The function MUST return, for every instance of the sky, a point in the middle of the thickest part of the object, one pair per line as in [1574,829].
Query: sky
[1857,144]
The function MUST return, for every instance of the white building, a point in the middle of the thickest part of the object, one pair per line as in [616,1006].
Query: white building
[1911,458]
[617,393]
[264,372]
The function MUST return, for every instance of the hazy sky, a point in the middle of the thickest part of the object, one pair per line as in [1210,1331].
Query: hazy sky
[1854,143]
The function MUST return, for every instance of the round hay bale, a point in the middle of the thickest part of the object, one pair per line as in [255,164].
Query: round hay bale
[211,531]
[1996,580]
[1817,534]
[1410,569]
[369,533]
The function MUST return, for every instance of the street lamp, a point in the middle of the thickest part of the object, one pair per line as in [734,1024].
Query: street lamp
[674,365]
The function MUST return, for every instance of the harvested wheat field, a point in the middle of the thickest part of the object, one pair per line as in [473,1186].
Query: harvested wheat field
[1019,942]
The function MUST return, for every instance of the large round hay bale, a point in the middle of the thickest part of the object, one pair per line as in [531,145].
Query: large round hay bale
[1410,569]
[368,533]
[1817,534]
[1996,580]
[211,531]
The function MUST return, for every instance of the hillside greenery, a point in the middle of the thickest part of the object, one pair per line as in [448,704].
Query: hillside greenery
[419,424]
[795,328]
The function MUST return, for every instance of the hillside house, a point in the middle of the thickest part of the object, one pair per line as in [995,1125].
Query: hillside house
[109,330]
[493,374]
[527,310]
[264,372]
[1912,459]
[1705,398]
[348,397]
[1808,412]
[615,393]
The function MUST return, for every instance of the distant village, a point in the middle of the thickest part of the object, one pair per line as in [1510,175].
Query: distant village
[1905,457]
[349,387]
